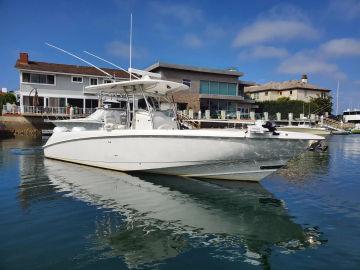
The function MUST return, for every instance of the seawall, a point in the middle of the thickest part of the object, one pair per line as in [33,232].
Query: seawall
[17,125]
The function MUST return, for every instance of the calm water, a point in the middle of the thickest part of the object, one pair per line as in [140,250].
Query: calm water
[55,215]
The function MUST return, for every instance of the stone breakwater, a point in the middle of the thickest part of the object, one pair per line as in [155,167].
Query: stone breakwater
[17,125]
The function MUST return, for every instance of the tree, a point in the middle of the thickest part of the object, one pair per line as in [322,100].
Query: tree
[321,105]
[6,98]
[283,99]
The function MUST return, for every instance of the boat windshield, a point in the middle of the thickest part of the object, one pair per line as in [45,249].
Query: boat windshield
[156,105]
[114,115]
[97,115]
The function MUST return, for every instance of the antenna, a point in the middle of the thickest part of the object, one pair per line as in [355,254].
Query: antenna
[130,44]
[77,57]
[106,61]
[337,98]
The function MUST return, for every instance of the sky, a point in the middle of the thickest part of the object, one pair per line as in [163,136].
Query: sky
[266,40]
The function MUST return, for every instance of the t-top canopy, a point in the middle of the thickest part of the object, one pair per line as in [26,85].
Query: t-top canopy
[145,85]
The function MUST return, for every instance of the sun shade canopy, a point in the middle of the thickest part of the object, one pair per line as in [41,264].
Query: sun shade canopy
[153,87]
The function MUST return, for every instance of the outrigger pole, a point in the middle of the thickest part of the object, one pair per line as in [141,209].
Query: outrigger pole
[77,57]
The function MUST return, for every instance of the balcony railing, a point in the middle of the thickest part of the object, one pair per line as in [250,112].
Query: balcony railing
[10,109]
[47,111]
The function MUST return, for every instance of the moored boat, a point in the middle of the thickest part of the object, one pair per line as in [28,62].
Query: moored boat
[340,132]
[154,141]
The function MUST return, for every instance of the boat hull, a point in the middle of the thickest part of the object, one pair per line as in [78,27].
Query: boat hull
[231,155]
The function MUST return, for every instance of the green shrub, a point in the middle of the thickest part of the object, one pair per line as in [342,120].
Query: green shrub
[284,105]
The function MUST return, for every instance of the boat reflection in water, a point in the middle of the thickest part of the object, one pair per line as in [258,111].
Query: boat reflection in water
[304,167]
[163,216]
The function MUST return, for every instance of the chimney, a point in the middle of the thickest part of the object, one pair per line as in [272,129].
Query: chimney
[24,58]
[304,78]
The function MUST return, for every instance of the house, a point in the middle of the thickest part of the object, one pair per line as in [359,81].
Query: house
[293,89]
[209,89]
[51,87]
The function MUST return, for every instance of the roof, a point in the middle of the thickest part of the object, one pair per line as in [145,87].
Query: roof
[287,85]
[247,83]
[70,69]
[195,69]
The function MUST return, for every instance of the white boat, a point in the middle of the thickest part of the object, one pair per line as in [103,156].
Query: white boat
[351,116]
[340,132]
[153,141]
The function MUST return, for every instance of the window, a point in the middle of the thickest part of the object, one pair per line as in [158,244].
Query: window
[108,81]
[241,90]
[266,93]
[232,89]
[214,106]
[187,82]
[231,106]
[181,106]
[93,81]
[218,88]
[223,88]
[305,93]
[38,78]
[280,93]
[26,77]
[214,88]
[223,105]
[77,79]
[204,104]
[56,102]
[204,87]
[256,95]
[290,92]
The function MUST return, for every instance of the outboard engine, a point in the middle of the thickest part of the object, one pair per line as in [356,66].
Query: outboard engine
[271,127]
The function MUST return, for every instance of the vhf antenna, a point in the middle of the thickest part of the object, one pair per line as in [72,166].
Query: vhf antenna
[130,44]
[106,61]
[77,57]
